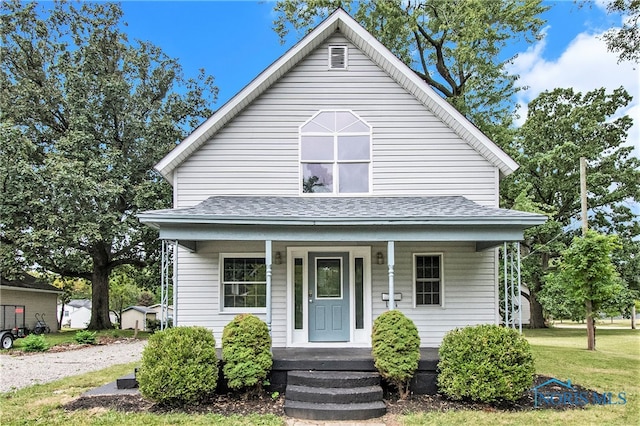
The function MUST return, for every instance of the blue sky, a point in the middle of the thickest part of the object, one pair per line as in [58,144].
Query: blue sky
[234,41]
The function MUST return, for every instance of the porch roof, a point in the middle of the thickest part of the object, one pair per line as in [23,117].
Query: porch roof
[449,218]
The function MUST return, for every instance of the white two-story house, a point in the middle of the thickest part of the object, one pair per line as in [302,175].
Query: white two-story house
[333,187]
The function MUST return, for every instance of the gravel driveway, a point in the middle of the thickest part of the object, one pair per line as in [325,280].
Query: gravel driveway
[25,370]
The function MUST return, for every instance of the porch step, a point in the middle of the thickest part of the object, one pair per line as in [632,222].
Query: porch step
[333,379]
[333,395]
[316,411]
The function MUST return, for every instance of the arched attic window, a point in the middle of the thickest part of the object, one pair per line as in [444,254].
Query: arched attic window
[335,154]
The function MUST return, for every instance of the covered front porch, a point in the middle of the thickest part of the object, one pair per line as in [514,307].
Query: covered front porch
[381,237]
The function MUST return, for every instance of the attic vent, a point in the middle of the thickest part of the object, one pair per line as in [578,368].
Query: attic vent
[337,57]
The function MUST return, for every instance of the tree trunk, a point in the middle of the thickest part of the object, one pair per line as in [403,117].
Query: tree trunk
[536,319]
[591,326]
[100,297]
[633,316]
[61,316]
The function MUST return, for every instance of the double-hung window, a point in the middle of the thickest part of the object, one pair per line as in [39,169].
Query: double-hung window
[335,154]
[428,279]
[244,283]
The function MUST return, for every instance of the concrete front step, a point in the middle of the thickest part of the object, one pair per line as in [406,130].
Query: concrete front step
[316,411]
[333,379]
[334,395]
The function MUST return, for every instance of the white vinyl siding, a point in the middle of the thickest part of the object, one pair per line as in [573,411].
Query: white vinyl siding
[413,152]
[198,288]
[469,289]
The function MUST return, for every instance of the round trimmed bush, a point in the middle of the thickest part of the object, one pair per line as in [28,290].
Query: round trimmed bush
[246,352]
[485,363]
[179,366]
[396,349]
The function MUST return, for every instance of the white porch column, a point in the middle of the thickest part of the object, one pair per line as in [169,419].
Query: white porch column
[519,288]
[391,262]
[164,283]
[506,286]
[267,259]
[174,283]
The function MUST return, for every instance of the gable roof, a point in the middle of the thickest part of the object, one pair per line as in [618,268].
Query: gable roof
[378,53]
[29,283]
[80,303]
[141,309]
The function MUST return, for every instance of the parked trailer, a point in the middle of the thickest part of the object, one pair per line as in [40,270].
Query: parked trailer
[12,324]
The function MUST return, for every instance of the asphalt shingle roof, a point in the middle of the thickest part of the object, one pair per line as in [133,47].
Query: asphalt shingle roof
[333,209]
[29,282]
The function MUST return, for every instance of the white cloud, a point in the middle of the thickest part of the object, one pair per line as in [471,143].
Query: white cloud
[585,65]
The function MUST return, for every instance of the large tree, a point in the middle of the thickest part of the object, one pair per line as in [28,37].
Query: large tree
[85,115]
[456,46]
[561,127]
[588,276]
[625,40]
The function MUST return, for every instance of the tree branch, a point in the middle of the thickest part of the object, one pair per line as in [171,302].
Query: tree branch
[135,262]
[441,66]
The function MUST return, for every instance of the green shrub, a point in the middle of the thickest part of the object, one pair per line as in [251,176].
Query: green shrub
[179,366]
[396,349]
[153,325]
[246,353]
[35,343]
[85,337]
[485,363]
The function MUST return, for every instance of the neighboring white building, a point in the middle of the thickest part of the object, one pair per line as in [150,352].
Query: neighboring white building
[336,178]
[77,313]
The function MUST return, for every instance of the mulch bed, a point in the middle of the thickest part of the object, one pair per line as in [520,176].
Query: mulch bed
[230,404]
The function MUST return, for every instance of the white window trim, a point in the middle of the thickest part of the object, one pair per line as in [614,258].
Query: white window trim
[234,311]
[346,57]
[442,281]
[335,162]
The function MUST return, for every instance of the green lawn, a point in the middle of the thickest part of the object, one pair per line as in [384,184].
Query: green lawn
[66,336]
[560,353]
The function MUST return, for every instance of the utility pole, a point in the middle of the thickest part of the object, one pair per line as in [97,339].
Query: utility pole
[583,194]
[591,326]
